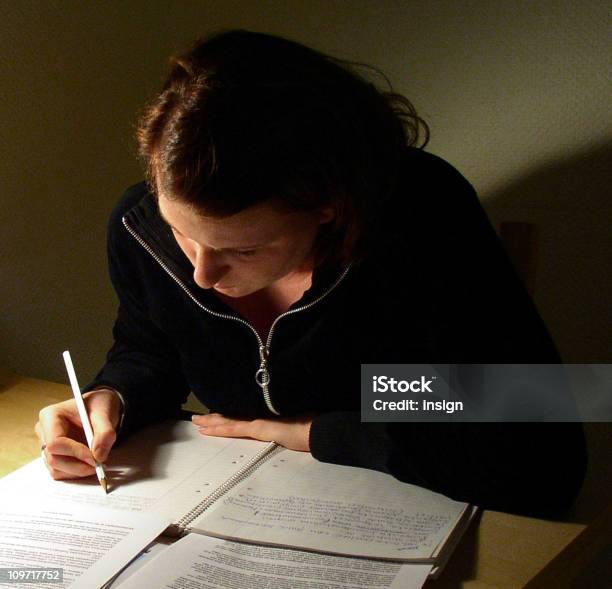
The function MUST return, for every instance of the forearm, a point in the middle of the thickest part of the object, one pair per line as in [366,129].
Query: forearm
[144,368]
[147,395]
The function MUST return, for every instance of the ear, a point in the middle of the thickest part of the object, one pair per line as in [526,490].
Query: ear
[326,214]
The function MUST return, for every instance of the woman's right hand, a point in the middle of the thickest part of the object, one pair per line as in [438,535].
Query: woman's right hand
[63,440]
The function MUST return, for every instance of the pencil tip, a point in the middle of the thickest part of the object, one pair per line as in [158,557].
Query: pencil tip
[104,485]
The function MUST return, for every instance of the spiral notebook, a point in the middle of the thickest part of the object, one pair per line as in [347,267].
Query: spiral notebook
[265,494]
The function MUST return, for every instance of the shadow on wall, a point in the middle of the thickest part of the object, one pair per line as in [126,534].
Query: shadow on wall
[569,203]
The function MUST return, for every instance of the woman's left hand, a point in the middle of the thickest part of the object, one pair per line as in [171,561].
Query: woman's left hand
[292,433]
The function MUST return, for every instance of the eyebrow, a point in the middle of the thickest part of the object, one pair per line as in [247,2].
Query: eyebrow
[220,249]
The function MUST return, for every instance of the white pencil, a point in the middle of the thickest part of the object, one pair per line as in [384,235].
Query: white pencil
[76,391]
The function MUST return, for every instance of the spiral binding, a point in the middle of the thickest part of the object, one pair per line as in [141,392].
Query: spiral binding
[236,478]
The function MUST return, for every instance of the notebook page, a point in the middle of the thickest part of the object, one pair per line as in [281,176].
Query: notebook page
[295,500]
[234,455]
[200,562]
[147,468]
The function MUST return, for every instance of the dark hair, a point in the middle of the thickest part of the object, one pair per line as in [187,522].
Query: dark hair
[245,117]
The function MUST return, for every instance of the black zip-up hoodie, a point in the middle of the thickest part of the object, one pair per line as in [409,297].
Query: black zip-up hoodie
[435,287]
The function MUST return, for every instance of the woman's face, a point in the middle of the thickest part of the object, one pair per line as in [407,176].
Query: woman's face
[248,251]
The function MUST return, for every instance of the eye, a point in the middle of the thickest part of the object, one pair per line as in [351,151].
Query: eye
[245,253]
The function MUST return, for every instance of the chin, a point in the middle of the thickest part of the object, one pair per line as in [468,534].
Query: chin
[232,291]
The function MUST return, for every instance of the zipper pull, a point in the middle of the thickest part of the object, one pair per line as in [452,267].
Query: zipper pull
[263,355]
[262,376]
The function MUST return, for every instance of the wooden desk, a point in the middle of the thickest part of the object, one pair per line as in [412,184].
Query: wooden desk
[20,401]
[499,550]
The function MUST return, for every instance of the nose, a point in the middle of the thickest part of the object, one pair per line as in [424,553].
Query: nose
[208,268]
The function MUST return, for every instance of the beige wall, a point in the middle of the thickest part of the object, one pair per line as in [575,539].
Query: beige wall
[516,93]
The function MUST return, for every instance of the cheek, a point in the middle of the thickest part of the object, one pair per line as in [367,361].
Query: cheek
[260,272]
[301,245]
[253,269]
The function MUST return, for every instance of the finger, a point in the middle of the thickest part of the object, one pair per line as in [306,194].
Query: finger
[54,472]
[58,420]
[257,429]
[58,475]
[104,435]
[230,428]
[69,448]
[210,419]
[64,467]
[51,430]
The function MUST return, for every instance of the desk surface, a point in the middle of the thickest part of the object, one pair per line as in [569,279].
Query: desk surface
[499,550]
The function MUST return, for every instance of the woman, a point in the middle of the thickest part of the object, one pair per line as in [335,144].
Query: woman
[289,231]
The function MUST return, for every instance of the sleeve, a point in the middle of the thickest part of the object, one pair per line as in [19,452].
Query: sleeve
[143,366]
[533,469]
[477,312]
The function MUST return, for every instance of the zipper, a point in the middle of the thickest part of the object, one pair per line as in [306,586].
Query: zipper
[262,375]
